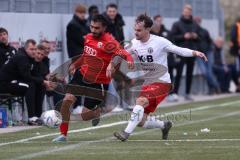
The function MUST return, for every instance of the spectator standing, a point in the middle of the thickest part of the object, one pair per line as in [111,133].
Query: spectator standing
[224,72]
[6,50]
[206,46]
[92,11]
[115,22]
[160,30]
[235,39]
[235,45]
[185,33]
[77,28]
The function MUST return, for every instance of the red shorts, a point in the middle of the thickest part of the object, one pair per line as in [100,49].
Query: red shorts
[155,93]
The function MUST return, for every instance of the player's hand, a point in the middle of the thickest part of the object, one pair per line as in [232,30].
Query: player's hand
[130,65]
[49,85]
[201,55]
[110,70]
[72,69]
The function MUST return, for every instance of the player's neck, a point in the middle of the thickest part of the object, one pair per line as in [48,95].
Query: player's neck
[145,39]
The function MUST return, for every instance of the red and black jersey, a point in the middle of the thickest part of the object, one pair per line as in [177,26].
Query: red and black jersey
[97,54]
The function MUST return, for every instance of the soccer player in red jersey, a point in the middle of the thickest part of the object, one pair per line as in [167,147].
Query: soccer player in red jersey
[92,70]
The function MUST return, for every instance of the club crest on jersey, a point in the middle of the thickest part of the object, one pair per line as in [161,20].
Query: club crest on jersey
[150,50]
[99,44]
[110,47]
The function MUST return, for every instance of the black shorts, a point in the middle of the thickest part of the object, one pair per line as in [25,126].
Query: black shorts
[94,93]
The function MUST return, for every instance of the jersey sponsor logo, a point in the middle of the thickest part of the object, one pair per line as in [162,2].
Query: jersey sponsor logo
[147,58]
[90,51]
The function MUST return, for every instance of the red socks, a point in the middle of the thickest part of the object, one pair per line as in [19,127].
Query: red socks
[64,128]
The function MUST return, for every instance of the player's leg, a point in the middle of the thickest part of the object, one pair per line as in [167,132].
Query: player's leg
[137,116]
[157,95]
[145,105]
[87,114]
[68,101]
[151,122]
[93,106]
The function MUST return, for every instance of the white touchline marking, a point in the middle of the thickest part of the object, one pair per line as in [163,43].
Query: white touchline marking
[74,146]
[183,140]
[151,140]
[117,123]
[71,131]
[203,108]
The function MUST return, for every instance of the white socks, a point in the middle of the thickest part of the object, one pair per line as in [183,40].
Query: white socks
[136,118]
[153,122]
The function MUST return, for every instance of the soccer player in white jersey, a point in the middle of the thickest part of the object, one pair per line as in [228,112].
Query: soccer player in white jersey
[151,49]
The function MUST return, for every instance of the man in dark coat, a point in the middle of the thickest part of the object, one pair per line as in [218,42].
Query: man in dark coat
[115,22]
[77,28]
[6,50]
[185,33]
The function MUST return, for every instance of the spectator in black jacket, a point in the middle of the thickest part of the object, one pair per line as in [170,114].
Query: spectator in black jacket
[235,39]
[36,92]
[6,50]
[160,30]
[235,44]
[223,71]
[158,27]
[92,11]
[16,74]
[206,46]
[115,22]
[77,28]
[185,33]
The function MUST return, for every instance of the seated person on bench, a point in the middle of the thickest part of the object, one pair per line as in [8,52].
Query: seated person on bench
[16,73]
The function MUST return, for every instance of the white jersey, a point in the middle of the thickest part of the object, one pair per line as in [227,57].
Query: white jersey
[153,57]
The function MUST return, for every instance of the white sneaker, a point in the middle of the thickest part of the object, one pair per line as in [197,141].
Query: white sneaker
[77,110]
[172,98]
[117,109]
[33,119]
[175,97]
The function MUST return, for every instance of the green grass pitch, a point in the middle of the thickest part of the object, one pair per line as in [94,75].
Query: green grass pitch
[186,141]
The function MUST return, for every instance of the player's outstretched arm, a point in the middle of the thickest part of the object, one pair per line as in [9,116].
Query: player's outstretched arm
[185,52]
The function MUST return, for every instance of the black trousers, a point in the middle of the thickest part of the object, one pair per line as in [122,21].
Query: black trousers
[189,61]
[15,88]
[34,99]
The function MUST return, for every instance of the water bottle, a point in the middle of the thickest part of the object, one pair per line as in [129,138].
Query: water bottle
[3,117]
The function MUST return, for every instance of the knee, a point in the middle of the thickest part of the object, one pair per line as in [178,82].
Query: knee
[69,97]
[142,101]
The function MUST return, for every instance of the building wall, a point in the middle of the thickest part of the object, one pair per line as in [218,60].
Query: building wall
[169,8]
[231,9]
